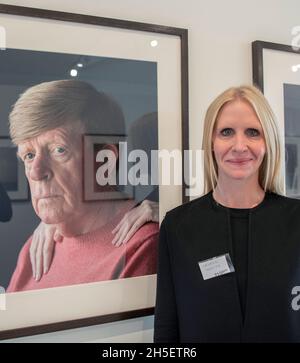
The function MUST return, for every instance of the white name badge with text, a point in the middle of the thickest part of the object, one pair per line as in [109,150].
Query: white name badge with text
[216,266]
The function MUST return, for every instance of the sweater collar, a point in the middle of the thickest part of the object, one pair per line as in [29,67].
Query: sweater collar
[102,234]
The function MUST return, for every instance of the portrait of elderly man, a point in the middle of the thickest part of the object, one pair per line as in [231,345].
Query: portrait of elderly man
[47,124]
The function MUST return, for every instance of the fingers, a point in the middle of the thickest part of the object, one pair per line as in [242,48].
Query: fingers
[117,241]
[122,228]
[32,253]
[136,226]
[119,225]
[128,229]
[50,236]
[39,261]
[42,248]
[47,255]
[150,210]
[58,237]
[147,211]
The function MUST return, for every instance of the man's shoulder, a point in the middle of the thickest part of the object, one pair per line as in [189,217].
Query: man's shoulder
[25,250]
[147,232]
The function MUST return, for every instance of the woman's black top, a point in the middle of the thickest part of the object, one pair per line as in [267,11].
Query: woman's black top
[258,302]
[239,219]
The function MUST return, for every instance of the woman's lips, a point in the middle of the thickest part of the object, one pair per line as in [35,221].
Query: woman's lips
[239,161]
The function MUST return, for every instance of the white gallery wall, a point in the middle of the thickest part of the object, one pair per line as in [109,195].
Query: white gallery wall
[220,36]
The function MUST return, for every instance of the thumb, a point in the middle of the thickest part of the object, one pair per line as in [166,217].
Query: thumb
[58,237]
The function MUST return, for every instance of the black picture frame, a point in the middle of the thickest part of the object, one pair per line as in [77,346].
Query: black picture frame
[16,185]
[77,19]
[258,47]
[275,69]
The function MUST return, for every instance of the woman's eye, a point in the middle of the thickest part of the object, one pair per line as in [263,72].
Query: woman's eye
[226,132]
[253,132]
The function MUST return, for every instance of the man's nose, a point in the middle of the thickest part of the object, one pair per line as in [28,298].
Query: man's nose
[39,169]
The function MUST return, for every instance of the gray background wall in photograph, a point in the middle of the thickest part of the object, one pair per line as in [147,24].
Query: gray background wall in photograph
[292,139]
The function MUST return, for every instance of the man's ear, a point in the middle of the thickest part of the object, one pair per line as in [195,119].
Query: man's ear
[113,148]
[106,165]
[113,155]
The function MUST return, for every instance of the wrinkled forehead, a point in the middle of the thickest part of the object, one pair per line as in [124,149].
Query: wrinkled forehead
[67,135]
[41,126]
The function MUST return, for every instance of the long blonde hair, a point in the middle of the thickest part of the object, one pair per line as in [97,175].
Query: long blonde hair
[270,178]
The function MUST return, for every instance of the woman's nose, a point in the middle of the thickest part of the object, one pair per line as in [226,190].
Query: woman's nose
[240,143]
[39,169]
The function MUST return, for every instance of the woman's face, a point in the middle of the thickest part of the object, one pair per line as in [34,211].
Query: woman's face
[53,166]
[238,142]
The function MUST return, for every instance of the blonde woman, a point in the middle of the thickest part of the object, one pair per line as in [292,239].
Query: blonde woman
[229,260]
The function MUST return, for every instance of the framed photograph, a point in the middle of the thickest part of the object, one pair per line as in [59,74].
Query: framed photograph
[12,175]
[276,71]
[123,83]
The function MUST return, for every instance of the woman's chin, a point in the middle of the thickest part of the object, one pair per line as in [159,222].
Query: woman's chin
[240,176]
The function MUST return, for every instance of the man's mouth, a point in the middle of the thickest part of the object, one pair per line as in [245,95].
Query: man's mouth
[47,196]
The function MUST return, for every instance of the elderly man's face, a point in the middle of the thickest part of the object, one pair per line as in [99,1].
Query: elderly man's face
[53,166]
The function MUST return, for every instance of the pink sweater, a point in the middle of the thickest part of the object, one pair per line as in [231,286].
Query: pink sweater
[90,258]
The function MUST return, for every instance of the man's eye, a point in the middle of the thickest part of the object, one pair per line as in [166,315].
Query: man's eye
[253,132]
[226,132]
[59,150]
[28,156]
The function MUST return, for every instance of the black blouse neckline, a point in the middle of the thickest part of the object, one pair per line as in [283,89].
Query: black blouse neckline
[244,212]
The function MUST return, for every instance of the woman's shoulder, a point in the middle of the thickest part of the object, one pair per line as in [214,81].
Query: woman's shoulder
[283,199]
[288,206]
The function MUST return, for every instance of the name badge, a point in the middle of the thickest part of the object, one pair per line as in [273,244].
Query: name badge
[216,266]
